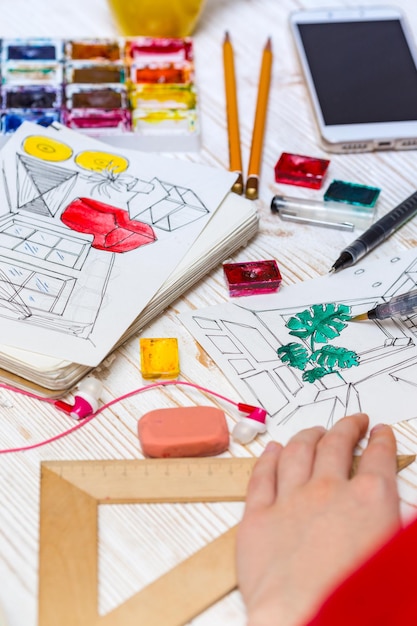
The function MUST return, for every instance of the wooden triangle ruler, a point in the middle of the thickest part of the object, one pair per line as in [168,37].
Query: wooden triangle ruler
[68,559]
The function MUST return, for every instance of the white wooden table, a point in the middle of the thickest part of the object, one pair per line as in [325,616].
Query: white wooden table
[137,544]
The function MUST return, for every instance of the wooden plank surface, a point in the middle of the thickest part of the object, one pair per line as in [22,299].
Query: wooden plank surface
[302,252]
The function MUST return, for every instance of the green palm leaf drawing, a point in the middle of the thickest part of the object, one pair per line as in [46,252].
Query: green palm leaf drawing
[294,354]
[310,376]
[332,356]
[321,322]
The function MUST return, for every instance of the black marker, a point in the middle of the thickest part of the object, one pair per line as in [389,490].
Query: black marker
[377,233]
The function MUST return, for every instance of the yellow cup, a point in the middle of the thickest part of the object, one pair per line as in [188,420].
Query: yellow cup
[157,18]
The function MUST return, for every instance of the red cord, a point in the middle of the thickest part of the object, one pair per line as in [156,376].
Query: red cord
[103,407]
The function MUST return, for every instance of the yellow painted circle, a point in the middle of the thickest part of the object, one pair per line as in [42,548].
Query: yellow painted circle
[46,148]
[97,161]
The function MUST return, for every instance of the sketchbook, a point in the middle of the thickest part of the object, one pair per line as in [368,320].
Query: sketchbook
[89,234]
[95,241]
[232,225]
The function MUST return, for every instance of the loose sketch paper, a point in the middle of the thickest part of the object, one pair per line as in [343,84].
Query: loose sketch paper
[88,234]
[243,338]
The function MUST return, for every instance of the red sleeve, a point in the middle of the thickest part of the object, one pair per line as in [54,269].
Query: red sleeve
[382,592]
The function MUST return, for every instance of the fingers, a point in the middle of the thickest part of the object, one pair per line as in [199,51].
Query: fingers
[262,485]
[316,453]
[335,450]
[379,456]
[297,460]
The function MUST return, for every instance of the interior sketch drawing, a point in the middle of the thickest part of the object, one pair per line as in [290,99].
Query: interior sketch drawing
[69,214]
[374,362]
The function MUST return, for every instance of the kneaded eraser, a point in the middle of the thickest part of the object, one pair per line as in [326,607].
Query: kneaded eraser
[183,431]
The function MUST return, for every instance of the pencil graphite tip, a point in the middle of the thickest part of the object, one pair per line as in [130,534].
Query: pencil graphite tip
[268,45]
[226,36]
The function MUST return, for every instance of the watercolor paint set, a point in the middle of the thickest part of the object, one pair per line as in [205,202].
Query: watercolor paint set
[136,92]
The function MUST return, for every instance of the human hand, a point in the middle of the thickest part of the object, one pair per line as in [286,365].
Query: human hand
[306,525]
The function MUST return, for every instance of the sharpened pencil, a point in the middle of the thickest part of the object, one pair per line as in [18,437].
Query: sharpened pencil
[235,155]
[252,183]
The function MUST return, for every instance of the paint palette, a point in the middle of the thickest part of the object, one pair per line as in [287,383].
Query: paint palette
[136,92]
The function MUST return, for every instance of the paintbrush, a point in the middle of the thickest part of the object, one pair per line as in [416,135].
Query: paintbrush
[403,304]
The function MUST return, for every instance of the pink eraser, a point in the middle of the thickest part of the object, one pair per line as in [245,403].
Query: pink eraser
[183,431]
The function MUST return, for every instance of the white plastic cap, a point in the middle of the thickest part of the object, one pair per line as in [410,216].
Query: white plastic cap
[86,397]
[246,430]
[90,386]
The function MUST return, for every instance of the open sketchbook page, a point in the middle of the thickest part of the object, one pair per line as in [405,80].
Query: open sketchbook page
[88,234]
[297,354]
[235,221]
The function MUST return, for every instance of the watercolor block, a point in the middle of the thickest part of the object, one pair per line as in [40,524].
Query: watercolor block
[13,118]
[165,74]
[36,49]
[48,73]
[159,357]
[304,171]
[352,193]
[31,97]
[183,432]
[171,96]
[96,97]
[252,278]
[105,50]
[95,74]
[159,50]
[99,122]
[163,121]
